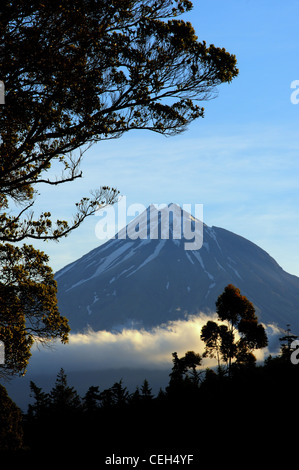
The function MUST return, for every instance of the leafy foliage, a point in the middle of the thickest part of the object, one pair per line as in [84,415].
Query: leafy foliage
[28,305]
[184,372]
[77,72]
[238,315]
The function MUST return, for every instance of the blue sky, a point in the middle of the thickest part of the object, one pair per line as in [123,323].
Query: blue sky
[241,161]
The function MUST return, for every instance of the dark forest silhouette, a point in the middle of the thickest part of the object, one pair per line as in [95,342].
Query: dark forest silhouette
[198,409]
[202,411]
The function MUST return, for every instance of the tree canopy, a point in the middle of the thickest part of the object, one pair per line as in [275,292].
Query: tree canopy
[184,374]
[77,72]
[81,71]
[28,305]
[237,332]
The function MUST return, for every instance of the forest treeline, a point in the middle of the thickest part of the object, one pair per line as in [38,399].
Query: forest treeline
[198,409]
[238,402]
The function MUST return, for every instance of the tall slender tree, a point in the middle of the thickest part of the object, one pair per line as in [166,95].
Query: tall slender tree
[64,398]
[237,332]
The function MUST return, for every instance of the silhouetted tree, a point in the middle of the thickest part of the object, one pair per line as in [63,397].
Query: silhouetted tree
[115,396]
[91,400]
[184,371]
[192,361]
[218,342]
[146,391]
[41,405]
[286,343]
[120,394]
[11,424]
[161,395]
[238,315]
[135,398]
[64,398]
[250,390]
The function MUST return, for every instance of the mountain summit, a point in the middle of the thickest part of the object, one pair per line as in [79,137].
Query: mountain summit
[137,280]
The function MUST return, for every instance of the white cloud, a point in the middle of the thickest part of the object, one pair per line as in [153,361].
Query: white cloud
[130,348]
[101,358]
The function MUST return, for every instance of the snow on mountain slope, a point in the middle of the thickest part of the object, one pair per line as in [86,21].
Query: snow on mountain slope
[146,282]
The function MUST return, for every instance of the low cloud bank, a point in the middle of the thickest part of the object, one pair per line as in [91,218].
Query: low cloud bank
[132,348]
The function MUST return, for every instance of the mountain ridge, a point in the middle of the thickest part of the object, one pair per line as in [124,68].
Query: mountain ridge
[143,283]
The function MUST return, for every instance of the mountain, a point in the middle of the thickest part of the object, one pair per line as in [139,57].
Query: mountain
[145,282]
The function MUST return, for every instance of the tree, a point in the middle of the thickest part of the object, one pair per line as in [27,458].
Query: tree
[39,409]
[91,400]
[240,333]
[116,396]
[81,71]
[184,371]
[146,392]
[218,342]
[119,394]
[28,305]
[286,341]
[11,426]
[64,398]
[135,398]
[77,72]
